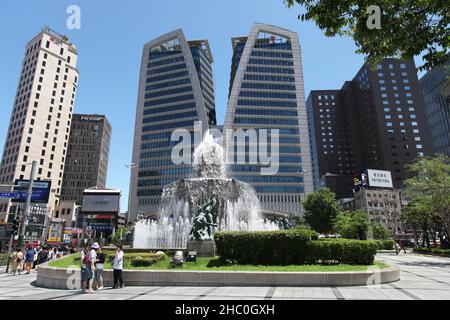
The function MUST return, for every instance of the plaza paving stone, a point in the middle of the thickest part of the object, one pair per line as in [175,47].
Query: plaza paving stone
[422,278]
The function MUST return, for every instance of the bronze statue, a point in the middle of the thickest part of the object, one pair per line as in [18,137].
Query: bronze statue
[204,224]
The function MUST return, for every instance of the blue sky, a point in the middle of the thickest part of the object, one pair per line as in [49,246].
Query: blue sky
[110,44]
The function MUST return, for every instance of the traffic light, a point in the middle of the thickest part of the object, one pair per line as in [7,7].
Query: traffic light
[15,227]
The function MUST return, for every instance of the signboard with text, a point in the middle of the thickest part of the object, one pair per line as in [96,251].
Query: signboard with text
[371,178]
[379,178]
[100,203]
[40,194]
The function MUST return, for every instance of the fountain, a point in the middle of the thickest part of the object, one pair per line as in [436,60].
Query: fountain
[192,209]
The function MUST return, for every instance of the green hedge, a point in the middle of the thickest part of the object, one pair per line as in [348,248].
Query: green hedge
[345,251]
[385,244]
[291,247]
[3,259]
[264,247]
[439,251]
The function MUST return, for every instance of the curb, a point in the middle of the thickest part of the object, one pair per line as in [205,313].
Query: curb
[58,278]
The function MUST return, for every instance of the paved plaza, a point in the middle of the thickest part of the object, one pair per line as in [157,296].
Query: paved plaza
[422,278]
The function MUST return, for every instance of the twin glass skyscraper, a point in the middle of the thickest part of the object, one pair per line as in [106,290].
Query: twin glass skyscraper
[266,92]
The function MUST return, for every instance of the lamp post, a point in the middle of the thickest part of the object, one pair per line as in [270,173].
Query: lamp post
[301,205]
[130,166]
[27,204]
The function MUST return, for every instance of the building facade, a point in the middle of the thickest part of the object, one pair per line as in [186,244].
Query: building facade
[382,206]
[176,89]
[267,93]
[41,117]
[332,152]
[437,106]
[87,156]
[380,122]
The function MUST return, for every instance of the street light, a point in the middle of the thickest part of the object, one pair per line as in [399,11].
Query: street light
[27,203]
[130,166]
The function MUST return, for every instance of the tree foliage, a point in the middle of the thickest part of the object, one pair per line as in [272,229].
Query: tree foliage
[321,210]
[379,231]
[408,27]
[429,194]
[121,231]
[352,225]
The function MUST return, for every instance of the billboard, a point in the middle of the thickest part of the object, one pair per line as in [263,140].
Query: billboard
[379,178]
[372,179]
[360,180]
[40,194]
[103,203]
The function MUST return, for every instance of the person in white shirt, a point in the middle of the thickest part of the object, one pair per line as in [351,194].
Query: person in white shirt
[91,265]
[118,267]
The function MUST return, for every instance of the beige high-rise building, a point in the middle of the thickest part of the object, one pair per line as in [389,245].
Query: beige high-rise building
[40,121]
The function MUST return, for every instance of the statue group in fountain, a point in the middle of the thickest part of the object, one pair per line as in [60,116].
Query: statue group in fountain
[193,209]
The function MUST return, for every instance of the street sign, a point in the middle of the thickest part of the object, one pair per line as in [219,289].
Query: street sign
[9,195]
[40,194]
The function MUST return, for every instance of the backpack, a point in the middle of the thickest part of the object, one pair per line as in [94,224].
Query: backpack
[85,258]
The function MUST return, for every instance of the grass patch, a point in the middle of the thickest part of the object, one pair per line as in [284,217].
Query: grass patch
[214,264]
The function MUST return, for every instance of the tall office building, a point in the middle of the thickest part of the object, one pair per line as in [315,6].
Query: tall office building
[266,92]
[380,122]
[330,141]
[41,116]
[176,88]
[87,156]
[437,106]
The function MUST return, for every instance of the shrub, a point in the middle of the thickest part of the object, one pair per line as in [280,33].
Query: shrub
[142,262]
[385,244]
[281,247]
[129,257]
[291,247]
[334,251]
[439,251]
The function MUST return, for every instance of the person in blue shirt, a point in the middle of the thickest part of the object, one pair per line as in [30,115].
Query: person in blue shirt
[29,258]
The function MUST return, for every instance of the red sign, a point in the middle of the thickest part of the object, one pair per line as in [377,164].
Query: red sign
[102,217]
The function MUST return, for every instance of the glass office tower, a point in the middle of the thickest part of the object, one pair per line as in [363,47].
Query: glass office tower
[267,92]
[176,88]
[437,106]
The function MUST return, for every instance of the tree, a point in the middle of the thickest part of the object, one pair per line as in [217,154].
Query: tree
[120,234]
[429,192]
[406,28]
[321,210]
[417,217]
[379,231]
[353,225]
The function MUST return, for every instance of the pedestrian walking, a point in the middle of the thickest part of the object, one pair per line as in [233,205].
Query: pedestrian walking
[99,266]
[16,259]
[43,255]
[35,257]
[118,267]
[29,259]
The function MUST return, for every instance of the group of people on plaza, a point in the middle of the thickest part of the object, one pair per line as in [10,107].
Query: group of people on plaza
[92,266]
[27,259]
[92,263]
